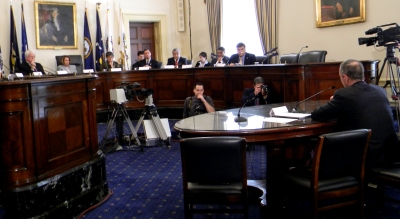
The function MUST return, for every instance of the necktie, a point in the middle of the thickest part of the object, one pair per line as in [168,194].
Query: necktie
[148,62]
[257,102]
[176,62]
[240,60]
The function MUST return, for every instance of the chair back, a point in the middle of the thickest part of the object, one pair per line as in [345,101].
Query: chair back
[312,56]
[213,160]
[341,154]
[288,58]
[74,60]
[264,59]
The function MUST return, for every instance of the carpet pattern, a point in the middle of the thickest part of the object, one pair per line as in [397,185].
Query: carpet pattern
[148,185]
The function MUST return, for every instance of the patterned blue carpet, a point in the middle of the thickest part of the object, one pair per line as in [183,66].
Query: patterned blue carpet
[148,185]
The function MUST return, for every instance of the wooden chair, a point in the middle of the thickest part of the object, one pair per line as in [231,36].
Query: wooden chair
[337,171]
[389,174]
[214,172]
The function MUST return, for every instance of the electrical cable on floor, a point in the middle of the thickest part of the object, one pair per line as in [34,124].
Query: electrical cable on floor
[110,192]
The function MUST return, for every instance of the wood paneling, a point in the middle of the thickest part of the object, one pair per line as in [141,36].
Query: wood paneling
[287,83]
[49,127]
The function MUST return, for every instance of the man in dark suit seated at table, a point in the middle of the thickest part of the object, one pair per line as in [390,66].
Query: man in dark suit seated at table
[257,95]
[360,105]
[140,56]
[199,103]
[221,57]
[242,57]
[176,59]
[30,66]
[148,61]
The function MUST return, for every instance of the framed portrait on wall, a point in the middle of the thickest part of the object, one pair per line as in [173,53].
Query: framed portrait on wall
[339,12]
[55,24]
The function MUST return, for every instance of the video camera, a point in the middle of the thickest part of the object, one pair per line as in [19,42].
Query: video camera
[128,88]
[265,88]
[383,37]
[130,91]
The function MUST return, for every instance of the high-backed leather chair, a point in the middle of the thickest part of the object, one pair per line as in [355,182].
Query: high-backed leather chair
[312,56]
[264,59]
[214,172]
[337,171]
[74,60]
[389,174]
[288,58]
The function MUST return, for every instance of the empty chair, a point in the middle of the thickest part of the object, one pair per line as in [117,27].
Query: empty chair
[337,171]
[288,58]
[214,172]
[312,56]
[74,60]
[264,59]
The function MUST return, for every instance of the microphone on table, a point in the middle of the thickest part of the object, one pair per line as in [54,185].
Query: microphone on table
[298,54]
[243,119]
[295,108]
[49,71]
[15,75]
[271,55]
[271,51]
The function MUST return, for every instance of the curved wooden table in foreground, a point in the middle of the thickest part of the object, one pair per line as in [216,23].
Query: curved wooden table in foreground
[256,130]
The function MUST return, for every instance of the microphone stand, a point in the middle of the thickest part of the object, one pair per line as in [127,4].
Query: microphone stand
[272,55]
[243,119]
[49,71]
[298,55]
[295,108]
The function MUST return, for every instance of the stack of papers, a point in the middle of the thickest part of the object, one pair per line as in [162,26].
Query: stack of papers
[278,120]
[283,112]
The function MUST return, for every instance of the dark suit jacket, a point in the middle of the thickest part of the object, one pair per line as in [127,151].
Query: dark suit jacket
[248,94]
[108,67]
[225,60]
[205,65]
[181,61]
[25,68]
[359,106]
[135,65]
[249,59]
[153,63]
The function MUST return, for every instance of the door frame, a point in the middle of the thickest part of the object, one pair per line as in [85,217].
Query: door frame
[160,32]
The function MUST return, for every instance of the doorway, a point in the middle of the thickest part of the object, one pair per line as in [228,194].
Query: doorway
[142,37]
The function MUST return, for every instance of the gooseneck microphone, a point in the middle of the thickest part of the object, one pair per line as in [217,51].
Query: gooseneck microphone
[243,119]
[295,108]
[270,55]
[271,51]
[298,55]
[50,71]
[15,75]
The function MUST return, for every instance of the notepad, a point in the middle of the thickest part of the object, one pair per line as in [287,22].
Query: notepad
[284,112]
[62,72]
[278,120]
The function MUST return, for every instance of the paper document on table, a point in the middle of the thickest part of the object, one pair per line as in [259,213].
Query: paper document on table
[283,112]
[278,120]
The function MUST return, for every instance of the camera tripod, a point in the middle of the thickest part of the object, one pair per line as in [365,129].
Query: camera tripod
[149,112]
[392,62]
[110,145]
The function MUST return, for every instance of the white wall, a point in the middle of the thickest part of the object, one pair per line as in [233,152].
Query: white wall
[296,27]
[341,42]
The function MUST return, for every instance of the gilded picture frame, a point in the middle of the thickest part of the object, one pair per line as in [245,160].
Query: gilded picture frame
[56,25]
[339,12]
